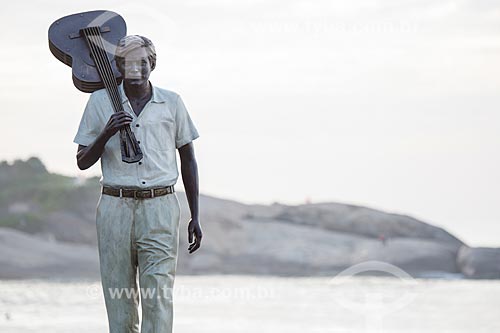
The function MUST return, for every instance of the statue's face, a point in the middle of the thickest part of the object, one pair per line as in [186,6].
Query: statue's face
[136,67]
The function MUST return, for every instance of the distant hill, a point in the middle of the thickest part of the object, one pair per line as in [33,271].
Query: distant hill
[47,228]
[35,201]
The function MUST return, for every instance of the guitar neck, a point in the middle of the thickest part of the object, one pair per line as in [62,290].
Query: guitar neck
[97,47]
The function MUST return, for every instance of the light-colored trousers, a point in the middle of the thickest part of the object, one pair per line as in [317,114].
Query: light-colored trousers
[138,236]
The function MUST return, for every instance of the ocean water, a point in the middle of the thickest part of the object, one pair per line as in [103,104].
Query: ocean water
[222,303]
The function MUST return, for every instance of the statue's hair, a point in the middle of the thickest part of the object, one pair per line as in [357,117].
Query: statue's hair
[132,42]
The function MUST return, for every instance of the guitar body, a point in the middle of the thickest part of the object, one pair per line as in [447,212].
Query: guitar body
[67,45]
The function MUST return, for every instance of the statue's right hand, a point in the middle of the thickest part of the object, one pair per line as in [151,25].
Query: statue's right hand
[117,120]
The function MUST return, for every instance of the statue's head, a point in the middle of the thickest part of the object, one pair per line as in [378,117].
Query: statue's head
[135,58]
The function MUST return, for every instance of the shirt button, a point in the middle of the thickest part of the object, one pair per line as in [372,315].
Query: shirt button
[144,182]
[140,163]
[139,142]
[136,125]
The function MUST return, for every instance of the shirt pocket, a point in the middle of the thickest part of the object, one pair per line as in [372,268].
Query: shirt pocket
[159,135]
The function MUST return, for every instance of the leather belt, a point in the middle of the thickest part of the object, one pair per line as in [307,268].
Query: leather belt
[138,193]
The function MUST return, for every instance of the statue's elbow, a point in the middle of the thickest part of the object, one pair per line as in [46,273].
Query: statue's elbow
[80,164]
[81,167]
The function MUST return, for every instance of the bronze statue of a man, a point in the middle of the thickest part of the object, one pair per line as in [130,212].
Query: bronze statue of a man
[138,213]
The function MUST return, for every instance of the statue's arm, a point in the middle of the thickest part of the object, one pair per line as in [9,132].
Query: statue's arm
[189,170]
[88,155]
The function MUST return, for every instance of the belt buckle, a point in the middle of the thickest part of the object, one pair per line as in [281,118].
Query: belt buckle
[142,194]
[138,194]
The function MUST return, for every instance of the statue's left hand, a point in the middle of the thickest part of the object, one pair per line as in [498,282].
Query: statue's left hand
[194,231]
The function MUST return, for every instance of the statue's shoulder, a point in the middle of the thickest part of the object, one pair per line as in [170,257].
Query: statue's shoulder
[165,95]
[99,95]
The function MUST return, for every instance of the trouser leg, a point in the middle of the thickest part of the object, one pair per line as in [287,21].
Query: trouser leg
[118,262]
[157,240]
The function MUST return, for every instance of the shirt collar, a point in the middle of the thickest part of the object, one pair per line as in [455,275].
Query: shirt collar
[155,98]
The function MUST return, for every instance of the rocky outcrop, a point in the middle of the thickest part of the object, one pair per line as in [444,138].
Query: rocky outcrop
[26,256]
[54,217]
[480,262]
[359,220]
[320,239]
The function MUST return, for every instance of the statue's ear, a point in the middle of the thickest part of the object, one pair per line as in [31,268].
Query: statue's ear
[153,64]
[119,64]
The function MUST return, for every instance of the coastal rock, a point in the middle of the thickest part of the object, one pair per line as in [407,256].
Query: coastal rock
[47,229]
[362,221]
[318,239]
[480,262]
[26,256]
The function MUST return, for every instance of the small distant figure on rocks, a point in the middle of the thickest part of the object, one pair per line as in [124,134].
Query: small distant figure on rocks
[383,239]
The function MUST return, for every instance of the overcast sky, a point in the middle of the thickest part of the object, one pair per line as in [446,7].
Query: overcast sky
[389,104]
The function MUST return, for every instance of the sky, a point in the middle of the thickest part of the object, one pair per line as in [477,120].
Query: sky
[388,104]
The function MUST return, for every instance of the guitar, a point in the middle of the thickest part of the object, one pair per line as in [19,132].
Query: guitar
[86,42]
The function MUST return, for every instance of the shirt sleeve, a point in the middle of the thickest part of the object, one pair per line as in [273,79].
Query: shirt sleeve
[89,128]
[185,131]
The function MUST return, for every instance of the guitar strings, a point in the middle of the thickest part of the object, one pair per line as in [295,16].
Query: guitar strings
[107,67]
[105,71]
[114,86]
[101,64]
[111,78]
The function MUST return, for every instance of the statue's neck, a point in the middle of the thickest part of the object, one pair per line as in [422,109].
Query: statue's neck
[138,91]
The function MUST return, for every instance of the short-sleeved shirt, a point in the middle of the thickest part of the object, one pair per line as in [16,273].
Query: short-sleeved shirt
[163,126]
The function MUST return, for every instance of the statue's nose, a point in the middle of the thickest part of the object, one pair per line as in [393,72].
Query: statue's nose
[134,68]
